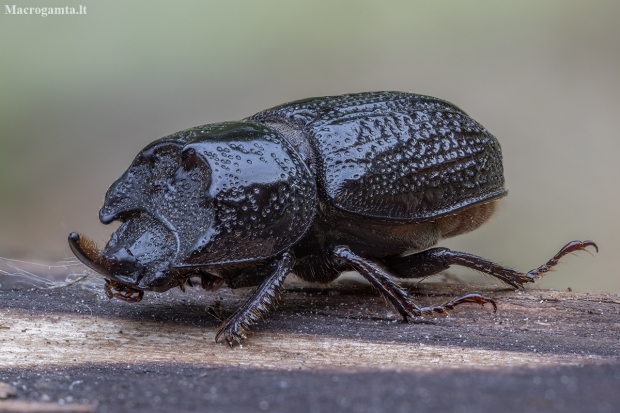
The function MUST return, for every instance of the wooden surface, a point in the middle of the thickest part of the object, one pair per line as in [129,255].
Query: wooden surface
[340,348]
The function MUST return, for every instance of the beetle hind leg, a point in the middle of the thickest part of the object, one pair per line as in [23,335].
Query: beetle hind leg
[396,295]
[265,296]
[435,260]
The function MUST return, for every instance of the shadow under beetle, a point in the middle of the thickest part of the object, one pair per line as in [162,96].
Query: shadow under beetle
[367,182]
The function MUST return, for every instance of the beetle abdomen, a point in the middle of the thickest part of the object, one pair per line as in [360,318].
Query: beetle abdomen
[397,155]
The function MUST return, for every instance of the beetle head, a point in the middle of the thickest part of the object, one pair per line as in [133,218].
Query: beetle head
[204,198]
[160,201]
[138,255]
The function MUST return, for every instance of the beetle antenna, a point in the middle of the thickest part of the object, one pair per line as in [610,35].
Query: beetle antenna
[90,248]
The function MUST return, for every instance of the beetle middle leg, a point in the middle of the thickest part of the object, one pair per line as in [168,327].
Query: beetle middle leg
[435,260]
[265,296]
[396,295]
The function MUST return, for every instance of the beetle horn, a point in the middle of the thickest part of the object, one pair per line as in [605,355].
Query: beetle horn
[87,251]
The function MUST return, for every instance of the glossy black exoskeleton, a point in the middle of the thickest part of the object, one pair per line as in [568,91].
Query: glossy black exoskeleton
[367,182]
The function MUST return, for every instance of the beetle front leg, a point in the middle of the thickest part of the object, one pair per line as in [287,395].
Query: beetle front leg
[435,260]
[396,295]
[234,328]
[124,292]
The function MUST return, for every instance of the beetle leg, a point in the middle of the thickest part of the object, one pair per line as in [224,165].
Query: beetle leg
[435,260]
[234,328]
[469,298]
[108,289]
[115,289]
[129,296]
[396,295]
[210,282]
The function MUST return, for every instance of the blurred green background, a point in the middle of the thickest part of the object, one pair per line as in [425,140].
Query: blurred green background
[81,95]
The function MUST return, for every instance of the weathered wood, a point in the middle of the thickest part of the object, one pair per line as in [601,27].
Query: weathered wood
[343,329]
[19,406]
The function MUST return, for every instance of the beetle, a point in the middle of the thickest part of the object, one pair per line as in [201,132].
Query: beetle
[369,182]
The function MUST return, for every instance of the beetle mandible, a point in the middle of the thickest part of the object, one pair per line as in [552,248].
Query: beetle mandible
[369,182]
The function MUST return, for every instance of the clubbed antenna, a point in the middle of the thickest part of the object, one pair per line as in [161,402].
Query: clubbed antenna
[88,252]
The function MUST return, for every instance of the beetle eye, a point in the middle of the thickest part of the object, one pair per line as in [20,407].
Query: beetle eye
[127,215]
[188,158]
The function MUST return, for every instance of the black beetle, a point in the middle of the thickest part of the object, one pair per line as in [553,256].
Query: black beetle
[366,182]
